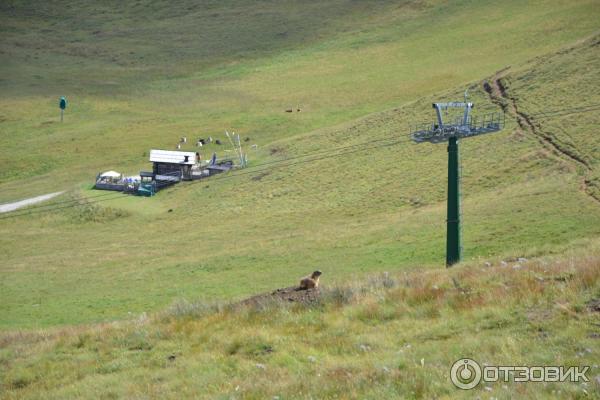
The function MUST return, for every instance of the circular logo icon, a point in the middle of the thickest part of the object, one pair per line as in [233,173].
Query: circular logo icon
[465,374]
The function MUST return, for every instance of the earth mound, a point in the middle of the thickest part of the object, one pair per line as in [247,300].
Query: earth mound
[290,294]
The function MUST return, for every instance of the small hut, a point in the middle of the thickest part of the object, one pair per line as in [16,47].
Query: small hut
[172,166]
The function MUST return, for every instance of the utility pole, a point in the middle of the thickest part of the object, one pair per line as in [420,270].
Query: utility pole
[441,132]
[453,245]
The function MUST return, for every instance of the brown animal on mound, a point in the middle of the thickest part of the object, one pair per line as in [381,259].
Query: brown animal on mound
[311,281]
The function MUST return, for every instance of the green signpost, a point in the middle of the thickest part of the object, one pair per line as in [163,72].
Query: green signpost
[62,103]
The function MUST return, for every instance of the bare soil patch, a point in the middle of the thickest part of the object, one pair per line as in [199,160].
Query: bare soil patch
[290,294]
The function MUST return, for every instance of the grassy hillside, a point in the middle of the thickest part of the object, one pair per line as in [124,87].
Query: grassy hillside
[142,75]
[532,101]
[111,296]
[376,209]
[389,336]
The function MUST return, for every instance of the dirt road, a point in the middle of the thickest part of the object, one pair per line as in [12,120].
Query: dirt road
[7,207]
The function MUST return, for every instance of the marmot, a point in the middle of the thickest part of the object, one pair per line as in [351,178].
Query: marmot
[311,281]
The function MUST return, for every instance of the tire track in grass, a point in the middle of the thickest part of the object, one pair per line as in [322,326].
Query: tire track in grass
[499,95]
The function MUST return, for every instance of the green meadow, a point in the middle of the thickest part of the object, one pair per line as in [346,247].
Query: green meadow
[107,287]
[360,75]
[389,336]
[198,70]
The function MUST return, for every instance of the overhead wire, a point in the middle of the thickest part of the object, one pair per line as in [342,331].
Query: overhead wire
[250,167]
[340,151]
[273,165]
[33,207]
[566,111]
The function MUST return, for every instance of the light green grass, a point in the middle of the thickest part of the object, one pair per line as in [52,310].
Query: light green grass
[387,336]
[378,209]
[359,60]
[97,299]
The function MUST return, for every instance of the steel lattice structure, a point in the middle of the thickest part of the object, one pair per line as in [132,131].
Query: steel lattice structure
[465,126]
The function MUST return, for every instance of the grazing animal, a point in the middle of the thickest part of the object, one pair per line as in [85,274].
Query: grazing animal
[198,143]
[289,110]
[178,146]
[218,142]
[183,140]
[311,281]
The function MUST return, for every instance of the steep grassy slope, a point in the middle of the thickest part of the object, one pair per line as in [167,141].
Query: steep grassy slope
[390,336]
[141,75]
[566,134]
[377,209]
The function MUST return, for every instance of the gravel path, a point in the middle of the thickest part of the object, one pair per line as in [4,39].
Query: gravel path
[7,207]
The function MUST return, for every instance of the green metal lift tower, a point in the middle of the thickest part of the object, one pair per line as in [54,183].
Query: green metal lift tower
[462,127]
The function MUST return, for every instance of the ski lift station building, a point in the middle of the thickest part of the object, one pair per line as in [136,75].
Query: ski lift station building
[172,166]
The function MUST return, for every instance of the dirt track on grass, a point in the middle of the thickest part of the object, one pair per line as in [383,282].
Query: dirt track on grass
[8,207]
